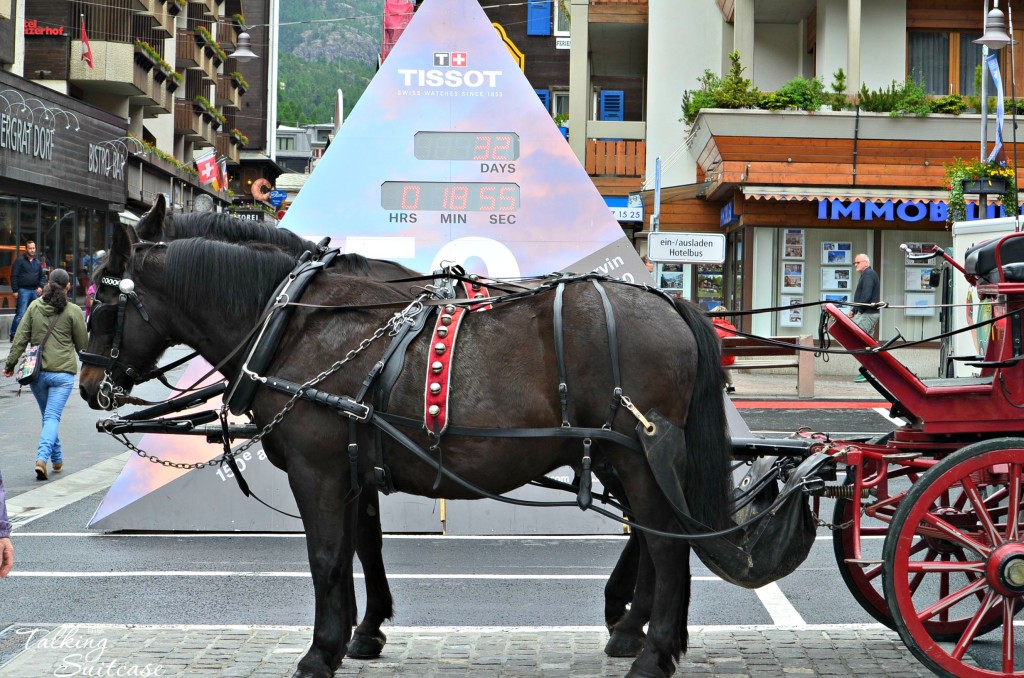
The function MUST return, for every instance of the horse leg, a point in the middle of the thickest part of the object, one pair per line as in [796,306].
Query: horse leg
[368,640]
[618,592]
[627,636]
[670,564]
[329,521]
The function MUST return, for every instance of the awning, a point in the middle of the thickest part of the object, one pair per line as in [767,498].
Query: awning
[810,193]
[681,192]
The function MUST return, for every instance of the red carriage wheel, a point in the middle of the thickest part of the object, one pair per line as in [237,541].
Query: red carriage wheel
[955,554]
[865,583]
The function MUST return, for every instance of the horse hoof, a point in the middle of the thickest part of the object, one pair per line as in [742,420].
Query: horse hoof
[365,646]
[641,673]
[623,645]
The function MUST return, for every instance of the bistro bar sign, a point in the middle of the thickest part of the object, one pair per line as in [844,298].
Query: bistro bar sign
[891,210]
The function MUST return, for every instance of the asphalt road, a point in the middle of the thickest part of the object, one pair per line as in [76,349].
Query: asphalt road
[66,573]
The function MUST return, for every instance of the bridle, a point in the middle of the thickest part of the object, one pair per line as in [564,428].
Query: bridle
[108,393]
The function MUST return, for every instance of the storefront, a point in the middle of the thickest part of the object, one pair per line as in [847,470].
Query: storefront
[62,181]
[805,244]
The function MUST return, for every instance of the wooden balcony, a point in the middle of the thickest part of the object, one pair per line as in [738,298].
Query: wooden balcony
[616,167]
[226,147]
[227,93]
[163,96]
[162,21]
[618,11]
[209,7]
[227,35]
[192,124]
[191,52]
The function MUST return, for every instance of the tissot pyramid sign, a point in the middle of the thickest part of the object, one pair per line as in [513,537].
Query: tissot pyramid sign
[449,157]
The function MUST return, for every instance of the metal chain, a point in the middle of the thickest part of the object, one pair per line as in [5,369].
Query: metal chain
[831,526]
[405,316]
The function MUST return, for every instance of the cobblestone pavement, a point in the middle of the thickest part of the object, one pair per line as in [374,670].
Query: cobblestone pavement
[263,652]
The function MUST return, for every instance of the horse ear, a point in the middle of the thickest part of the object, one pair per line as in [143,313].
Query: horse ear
[121,247]
[151,225]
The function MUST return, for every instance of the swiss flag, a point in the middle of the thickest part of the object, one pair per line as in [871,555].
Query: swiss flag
[86,48]
[207,167]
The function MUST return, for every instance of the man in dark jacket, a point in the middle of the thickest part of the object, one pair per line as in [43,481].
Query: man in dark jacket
[868,292]
[27,280]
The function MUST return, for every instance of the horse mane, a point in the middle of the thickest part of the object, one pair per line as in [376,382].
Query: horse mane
[223,226]
[244,275]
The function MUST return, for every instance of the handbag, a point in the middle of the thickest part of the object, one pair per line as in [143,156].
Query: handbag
[29,364]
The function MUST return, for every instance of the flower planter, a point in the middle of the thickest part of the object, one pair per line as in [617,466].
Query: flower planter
[984,186]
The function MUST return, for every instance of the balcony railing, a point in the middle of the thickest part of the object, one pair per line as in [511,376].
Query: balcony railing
[618,11]
[209,7]
[616,166]
[191,53]
[161,19]
[227,148]
[227,93]
[192,124]
[163,96]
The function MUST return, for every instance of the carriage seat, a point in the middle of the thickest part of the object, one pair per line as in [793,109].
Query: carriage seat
[980,260]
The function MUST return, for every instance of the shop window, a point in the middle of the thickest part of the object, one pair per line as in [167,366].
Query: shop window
[944,61]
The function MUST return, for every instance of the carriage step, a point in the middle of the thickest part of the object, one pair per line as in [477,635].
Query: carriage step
[863,562]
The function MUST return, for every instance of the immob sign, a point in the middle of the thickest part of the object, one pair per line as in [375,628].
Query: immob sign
[890,210]
[689,248]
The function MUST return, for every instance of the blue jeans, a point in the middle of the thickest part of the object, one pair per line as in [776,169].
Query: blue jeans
[25,297]
[52,390]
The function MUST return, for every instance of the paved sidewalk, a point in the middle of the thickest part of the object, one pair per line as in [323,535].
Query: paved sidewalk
[272,652]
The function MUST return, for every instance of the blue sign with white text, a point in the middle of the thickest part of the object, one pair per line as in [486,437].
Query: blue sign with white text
[277,197]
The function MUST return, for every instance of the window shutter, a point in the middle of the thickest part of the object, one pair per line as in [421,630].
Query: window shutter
[613,104]
[538,17]
[545,98]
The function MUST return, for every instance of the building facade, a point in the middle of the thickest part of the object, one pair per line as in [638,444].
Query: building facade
[120,99]
[798,193]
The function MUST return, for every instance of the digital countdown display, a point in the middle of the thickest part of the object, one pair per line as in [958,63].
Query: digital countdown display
[478,146]
[447,196]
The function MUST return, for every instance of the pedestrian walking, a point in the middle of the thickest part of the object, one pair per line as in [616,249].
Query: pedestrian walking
[27,280]
[61,325]
[6,546]
[868,292]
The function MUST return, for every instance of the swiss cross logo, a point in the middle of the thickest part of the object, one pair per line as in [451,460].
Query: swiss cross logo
[457,59]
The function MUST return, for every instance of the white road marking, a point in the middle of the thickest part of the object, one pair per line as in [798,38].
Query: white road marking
[295,574]
[300,535]
[782,612]
[884,413]
[64,490]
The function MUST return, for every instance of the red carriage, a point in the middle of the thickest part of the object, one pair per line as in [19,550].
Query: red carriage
[945,488]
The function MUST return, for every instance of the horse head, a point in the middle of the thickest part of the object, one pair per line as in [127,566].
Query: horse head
[111,366]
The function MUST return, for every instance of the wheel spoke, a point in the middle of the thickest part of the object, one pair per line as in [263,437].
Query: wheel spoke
[972,628]
[1008,635]
[981,510]
[1013,505]
[949,601]
[955,533]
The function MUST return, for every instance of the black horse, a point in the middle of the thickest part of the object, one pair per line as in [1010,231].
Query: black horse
[627,601]
[210,294]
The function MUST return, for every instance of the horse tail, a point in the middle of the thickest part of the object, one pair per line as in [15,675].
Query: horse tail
[708,478]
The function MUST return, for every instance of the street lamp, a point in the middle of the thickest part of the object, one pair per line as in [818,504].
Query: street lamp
[994,38]
[243,49]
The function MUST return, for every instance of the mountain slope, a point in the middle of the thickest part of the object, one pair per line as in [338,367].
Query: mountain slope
[335,47]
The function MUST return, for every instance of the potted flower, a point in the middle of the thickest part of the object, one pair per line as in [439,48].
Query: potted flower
[965,177]
[562,121]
